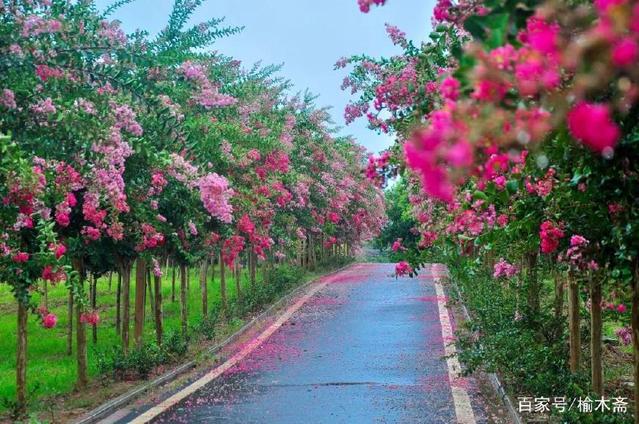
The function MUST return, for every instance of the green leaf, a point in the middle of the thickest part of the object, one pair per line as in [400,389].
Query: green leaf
[491,29]
[512,186]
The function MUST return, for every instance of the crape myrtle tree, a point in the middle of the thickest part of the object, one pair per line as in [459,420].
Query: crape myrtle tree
[124,153]
[516,134]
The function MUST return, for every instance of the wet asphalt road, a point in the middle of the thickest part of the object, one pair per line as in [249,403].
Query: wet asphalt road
[367,348]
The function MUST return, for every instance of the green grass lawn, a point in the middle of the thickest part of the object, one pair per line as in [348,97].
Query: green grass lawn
[50,370]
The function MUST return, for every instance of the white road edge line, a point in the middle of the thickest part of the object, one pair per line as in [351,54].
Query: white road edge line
[246,350]
[461,399]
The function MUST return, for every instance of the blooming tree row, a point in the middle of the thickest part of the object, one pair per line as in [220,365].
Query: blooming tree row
[516,127]
[122,149]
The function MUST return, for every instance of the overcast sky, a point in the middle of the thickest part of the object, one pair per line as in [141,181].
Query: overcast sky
[306,36]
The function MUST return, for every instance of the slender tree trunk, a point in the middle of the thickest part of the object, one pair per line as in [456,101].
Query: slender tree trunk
[94,297]
[238,277]
[252,260]
[204,271]
[183,299]
[21,361]
[118,306]
[110,281]
[126,305]
[158,309]
[46,295]
[222,282]
[533,284]
[212,269]
[595,335]
[140,291]
[173,283]
[70,324]
[81,342]
[573,324]
[635,333]
[151,297]
[559,294]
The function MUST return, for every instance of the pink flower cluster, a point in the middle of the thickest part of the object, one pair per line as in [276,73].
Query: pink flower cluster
[8,99]
[49,320]
[91,318]
[592,124]
[215,195]
[542,187]
[397,36]
[151,238]
[403,268]
[231,249]
[397,245]
[365,5]
[245,225]
[34,25]
[625,335]
[550,234]
[437,150]
[504,269]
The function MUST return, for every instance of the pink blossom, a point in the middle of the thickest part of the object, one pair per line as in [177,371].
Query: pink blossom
[8,99]
[577,240]
[215,195]
[157,270]
[49,273]
[428,239]
[91,232]
[49,320]
[621,308]
[397,36]
[333,217]
[365,5]
[91,318]
[245,225]
[20,257]
[397,245]
[231,249]
[549,234]
[625,335]
[625,52]
[449,88]
[592,124]
[43,107]
[403,268]
[441,12]
[59,250]
[502,220]
[504,269]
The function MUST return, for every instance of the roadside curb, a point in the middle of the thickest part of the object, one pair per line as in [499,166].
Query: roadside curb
[494,379]
[121,401]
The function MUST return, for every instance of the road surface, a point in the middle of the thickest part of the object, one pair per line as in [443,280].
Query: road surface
[361,347]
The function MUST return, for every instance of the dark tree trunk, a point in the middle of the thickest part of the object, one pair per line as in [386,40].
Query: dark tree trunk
[559,294]
[126,305]
[70,324]
[222,282]
[596,341]
[158,310]
[94,304]
[140,291]
[81,342]
[118,306]
[635,333]
[204,271]
[183,299]
[533,283]
[21,361]
[573,324]
[173,283]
